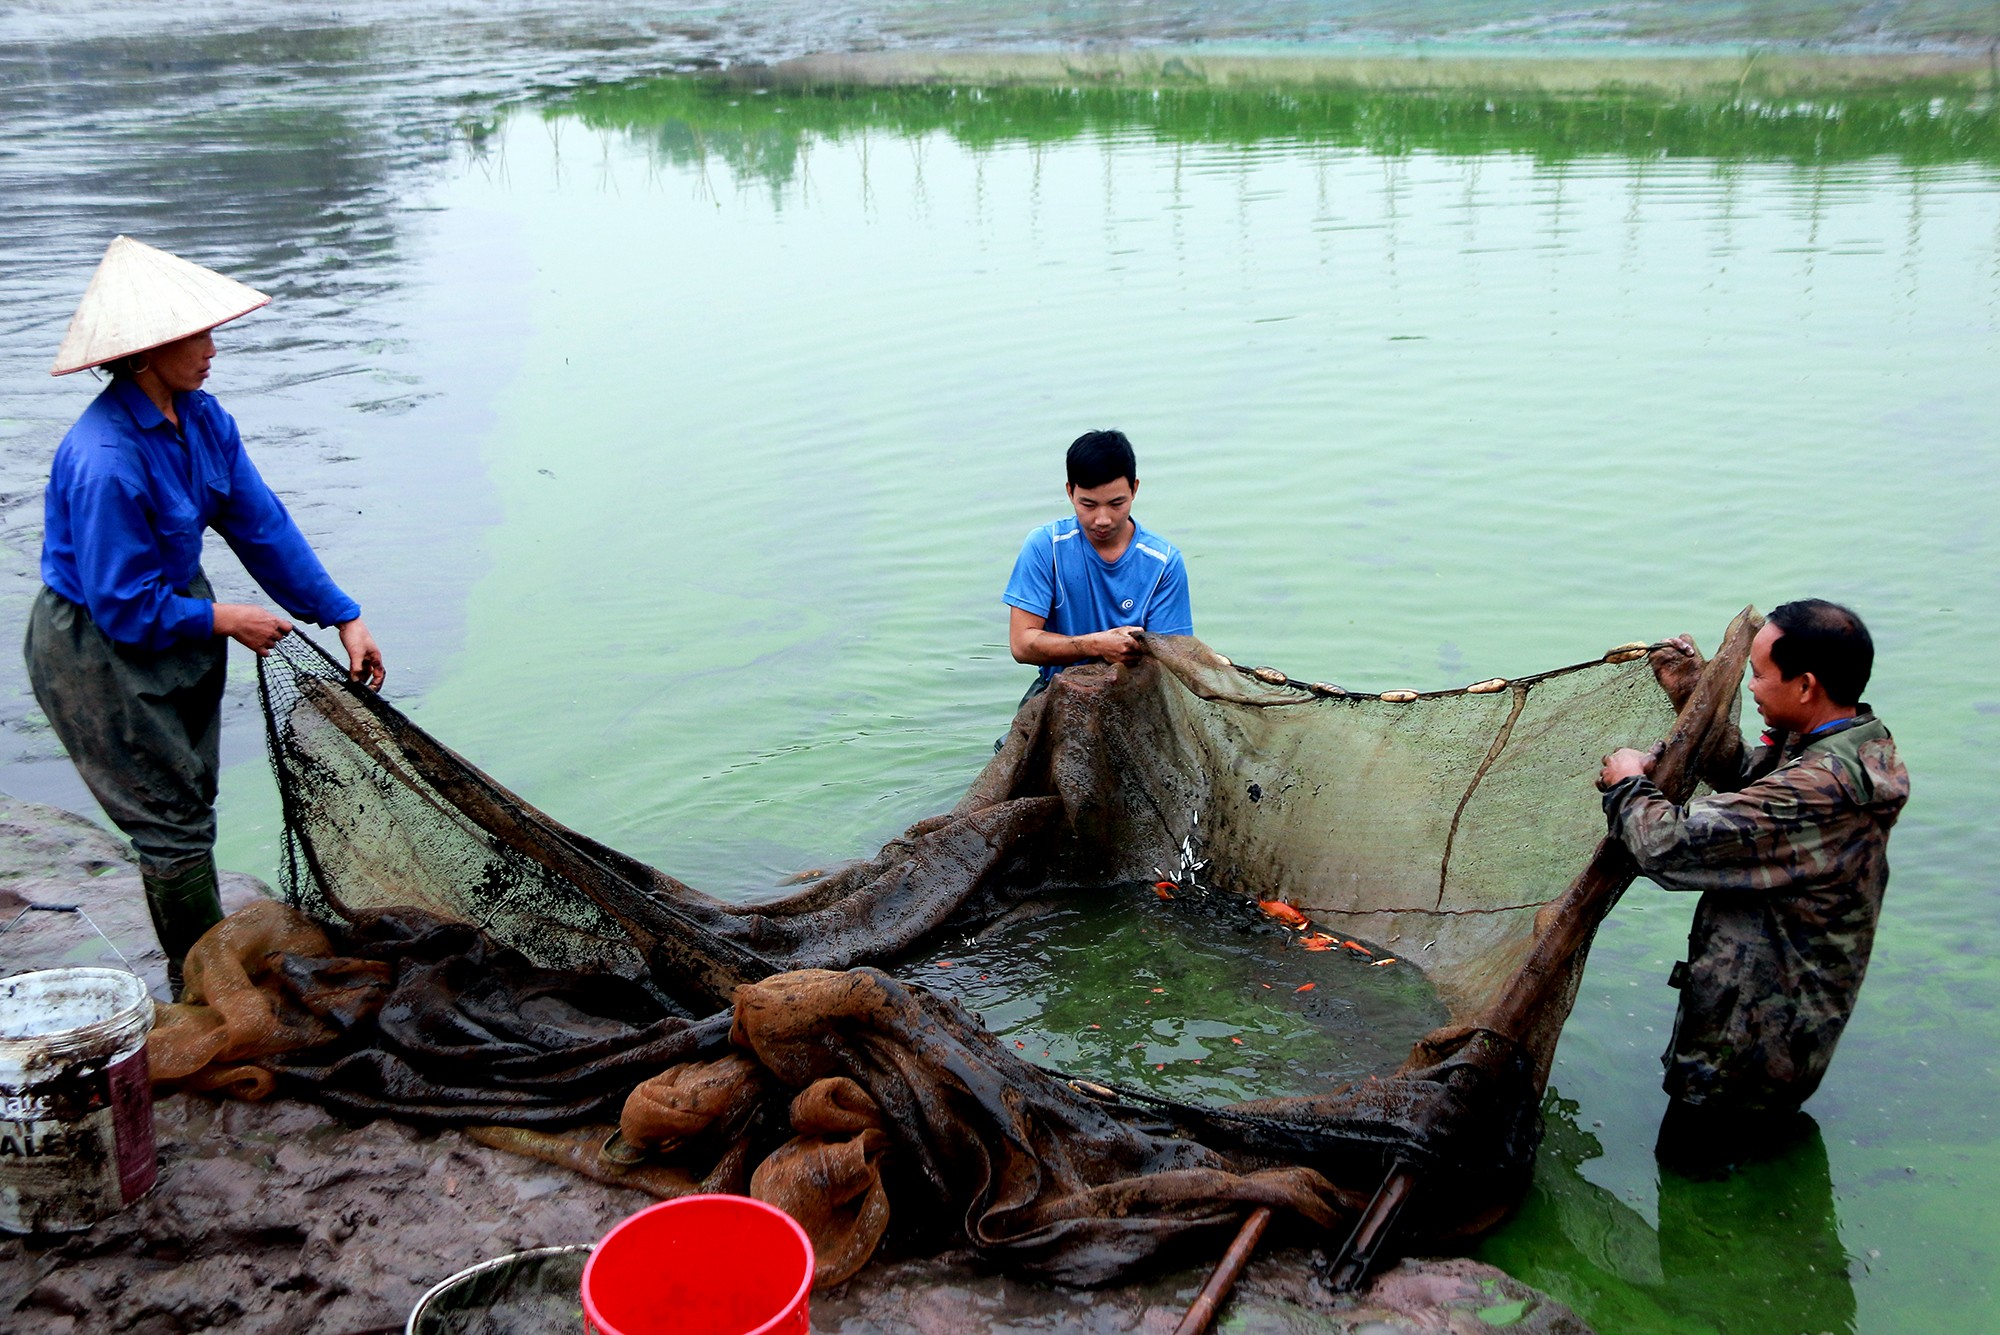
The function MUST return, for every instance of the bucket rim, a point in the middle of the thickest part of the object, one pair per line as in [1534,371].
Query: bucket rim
[491,1263]
[596,1318]
[125,1027]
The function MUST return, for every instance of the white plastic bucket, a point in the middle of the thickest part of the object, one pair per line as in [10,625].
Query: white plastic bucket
[76,1099]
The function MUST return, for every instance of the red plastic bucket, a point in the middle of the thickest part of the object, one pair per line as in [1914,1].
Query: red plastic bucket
[700,1265]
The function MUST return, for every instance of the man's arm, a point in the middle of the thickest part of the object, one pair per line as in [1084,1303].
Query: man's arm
[1041,648]
[1781,833]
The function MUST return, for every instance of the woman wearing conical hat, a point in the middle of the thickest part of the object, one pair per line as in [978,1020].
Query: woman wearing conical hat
[126,645]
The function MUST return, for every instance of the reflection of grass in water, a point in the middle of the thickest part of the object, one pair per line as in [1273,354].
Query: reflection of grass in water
[761,131]
[1170,985]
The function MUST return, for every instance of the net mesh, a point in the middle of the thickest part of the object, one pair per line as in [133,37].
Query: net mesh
[1444,822]
[1456,831]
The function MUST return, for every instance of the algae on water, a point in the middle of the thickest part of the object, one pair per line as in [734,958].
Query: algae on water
[1197,998]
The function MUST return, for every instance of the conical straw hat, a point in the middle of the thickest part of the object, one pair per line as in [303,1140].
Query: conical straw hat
[140,298]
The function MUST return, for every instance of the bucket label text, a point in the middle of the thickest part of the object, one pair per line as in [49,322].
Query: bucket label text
[24,1108]
[45,1140]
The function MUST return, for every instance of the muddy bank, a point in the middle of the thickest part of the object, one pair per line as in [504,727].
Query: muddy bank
[278,1217]
[71,891]
[274,1218]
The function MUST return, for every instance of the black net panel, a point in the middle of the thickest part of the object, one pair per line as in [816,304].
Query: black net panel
[352,768]
[380,815]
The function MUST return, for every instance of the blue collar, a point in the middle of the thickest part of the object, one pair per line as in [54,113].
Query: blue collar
[141,406]
[1860,714]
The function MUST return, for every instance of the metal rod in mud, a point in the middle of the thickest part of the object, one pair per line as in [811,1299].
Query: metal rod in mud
[1223,1278]
[1358,1255]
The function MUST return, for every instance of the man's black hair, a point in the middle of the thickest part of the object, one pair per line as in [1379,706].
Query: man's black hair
[1828,641]
[1098,457]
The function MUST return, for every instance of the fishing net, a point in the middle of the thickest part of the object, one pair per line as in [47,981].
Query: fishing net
[1455,833]
[404,1013]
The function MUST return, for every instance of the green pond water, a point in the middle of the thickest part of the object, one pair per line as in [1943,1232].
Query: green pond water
[1425,392]
[699,426]
[1197,997]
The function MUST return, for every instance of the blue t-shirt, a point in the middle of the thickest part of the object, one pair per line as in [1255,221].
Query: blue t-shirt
[1060,577]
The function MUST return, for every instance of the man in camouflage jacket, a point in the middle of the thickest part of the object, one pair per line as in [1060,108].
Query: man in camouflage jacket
[1790,855]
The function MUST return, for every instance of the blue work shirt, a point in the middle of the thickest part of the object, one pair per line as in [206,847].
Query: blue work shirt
[128,499]
[1060,577]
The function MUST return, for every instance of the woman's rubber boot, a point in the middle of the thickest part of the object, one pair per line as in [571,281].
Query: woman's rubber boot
[185,902]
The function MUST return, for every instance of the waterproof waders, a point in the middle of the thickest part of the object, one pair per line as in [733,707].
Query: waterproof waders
[144,728]
[185,902]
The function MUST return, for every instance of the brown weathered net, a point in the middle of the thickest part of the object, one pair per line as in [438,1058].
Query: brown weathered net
[1458,830]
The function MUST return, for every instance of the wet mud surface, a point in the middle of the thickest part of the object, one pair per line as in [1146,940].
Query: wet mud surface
[275,1217]
[278,1217]
[1277,1295]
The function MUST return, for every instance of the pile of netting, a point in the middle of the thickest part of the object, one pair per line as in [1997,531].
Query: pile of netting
[451,956]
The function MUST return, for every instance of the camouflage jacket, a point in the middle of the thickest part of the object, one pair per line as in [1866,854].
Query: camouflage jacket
[1790,855]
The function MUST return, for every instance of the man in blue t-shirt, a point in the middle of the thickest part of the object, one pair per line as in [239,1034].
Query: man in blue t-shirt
[1086,587]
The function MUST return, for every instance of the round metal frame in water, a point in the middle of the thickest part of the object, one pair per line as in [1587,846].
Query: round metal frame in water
[487,1280]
